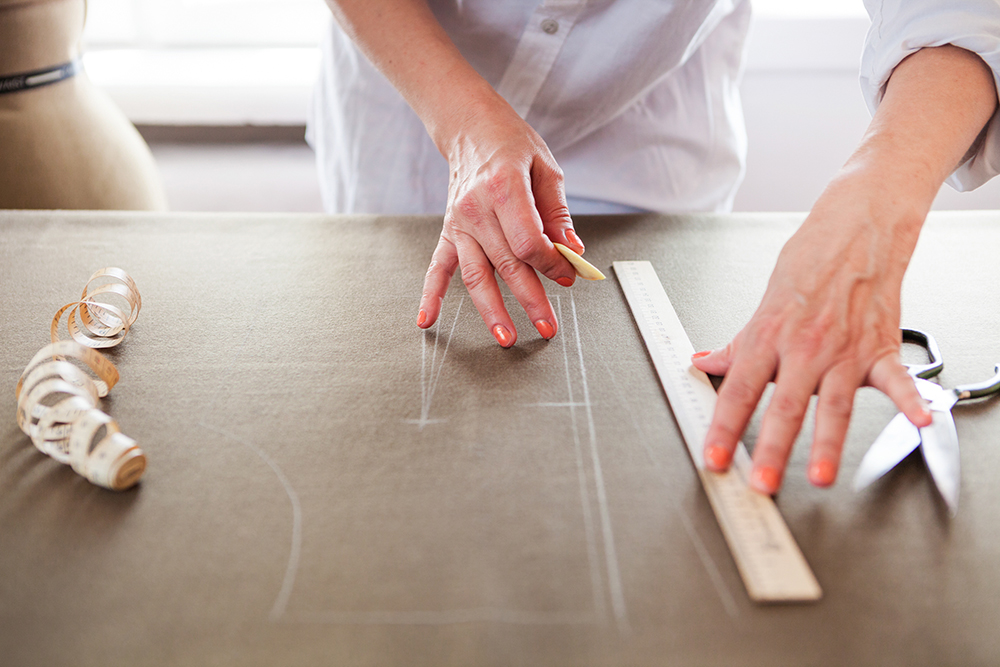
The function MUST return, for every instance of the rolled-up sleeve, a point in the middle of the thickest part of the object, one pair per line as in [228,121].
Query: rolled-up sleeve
[902,27]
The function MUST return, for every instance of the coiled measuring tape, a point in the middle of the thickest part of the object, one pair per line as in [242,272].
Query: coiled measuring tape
[60,389]
[769,560]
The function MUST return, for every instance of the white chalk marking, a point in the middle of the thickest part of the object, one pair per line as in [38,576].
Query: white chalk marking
[281,602]
[588,520]
[611,557]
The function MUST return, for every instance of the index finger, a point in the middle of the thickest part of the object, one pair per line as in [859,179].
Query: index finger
[523,230]
[738,397]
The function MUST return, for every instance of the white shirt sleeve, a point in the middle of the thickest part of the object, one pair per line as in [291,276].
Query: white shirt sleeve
[902,27]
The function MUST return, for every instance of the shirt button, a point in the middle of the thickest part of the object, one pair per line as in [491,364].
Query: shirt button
[550,26]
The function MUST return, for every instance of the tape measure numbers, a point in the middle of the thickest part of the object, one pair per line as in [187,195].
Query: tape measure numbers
[769,560]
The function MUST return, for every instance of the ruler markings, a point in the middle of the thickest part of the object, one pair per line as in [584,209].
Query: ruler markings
[769,560]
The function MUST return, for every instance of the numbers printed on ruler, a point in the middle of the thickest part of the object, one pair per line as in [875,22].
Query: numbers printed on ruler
[770,562]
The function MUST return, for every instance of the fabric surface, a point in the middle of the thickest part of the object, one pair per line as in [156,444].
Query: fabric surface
[638,102]
[328,484]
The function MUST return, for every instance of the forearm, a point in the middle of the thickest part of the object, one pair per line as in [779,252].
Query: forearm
[935,105]
[404,40]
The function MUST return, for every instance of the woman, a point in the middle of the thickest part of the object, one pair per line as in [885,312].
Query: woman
[637,100]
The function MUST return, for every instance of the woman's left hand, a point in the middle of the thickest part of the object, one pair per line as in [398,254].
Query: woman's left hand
[828,323]
[829,319]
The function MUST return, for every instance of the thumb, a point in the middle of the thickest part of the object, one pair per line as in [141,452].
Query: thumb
[714,362]
[550,200]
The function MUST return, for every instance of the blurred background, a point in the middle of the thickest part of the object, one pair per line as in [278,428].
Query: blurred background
[220,88]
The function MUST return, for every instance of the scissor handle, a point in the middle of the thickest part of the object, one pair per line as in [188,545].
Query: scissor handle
[986,388]
[926,341]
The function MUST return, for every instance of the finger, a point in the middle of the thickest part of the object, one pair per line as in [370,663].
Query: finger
[444,261]
[738,398]
[714,362]
[548,186]
[782,422]
[477,274]
[529,292]
[523,234]
[833,416]
[889,376]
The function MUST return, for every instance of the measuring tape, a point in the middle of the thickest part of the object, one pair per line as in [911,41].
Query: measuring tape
[770,562]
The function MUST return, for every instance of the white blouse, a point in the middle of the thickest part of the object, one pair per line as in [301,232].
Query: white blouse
[638,100]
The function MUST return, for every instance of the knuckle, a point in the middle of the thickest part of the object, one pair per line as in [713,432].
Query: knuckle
[475,275]
[508,266]
[838,405]
[785,406]
[810,340]
[525,248]
[499,183]
[433,268]
[739,393]
[725,432]
[762,336]
[465,210]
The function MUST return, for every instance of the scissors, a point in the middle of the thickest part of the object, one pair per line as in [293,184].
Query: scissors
[938,442]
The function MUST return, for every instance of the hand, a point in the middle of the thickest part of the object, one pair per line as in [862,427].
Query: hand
[828,323]
[506,202]
[506,205]
[829,319]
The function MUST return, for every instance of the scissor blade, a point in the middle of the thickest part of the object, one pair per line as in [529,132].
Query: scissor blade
[894,443]
[939,443]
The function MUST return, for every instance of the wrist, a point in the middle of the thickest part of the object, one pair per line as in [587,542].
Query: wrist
[458,109]
[871,216]
[893,187]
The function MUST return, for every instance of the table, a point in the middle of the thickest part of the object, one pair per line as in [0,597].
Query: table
[328,484]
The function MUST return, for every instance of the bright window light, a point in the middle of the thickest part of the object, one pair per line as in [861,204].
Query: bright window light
[205,23]
[291,23]
[810,8]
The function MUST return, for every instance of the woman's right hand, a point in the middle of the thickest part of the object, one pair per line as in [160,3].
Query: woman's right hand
[506,206]
[506,203]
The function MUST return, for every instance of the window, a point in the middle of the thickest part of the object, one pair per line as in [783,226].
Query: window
[204,23]
[810,8]
[254,61]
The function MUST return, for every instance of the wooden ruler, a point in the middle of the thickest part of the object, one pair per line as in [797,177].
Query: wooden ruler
[770,562]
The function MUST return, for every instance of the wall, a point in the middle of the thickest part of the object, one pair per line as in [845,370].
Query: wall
[805,114]
[801,96]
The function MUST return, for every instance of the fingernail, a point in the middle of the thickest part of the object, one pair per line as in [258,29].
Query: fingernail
[924,418]
[822,473]
[765,479]
[565,282]
[699,355]
[421,317]
[717,458]
[574,240]
[503,336]
[546,330]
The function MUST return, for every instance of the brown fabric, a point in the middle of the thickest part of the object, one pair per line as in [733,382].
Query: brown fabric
[65,145]
[330,485]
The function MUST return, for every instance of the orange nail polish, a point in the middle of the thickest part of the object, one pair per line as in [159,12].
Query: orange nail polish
[765,479]
[822,473]
[503,336]
[421,317]
[699,355]
[574,240]
[717,458]
[565,282]
[546,330]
